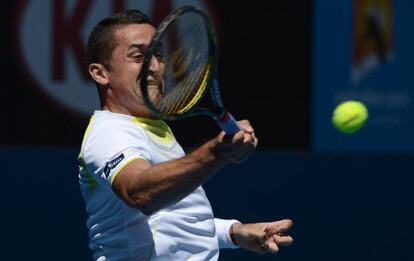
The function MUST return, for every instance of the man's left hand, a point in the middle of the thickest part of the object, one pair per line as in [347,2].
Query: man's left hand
[262,237]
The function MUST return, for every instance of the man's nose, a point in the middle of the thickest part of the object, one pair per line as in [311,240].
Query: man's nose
[154,64]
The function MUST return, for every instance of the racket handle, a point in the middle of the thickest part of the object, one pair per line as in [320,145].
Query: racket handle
[228,124]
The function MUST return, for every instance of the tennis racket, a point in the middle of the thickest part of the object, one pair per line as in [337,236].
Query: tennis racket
[184,52]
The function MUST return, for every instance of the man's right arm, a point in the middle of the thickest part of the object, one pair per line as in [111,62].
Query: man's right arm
[153,187]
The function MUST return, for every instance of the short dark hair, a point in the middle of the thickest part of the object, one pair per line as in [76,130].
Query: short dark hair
[101,42]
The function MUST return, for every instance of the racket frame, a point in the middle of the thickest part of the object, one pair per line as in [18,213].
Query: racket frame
[224,119]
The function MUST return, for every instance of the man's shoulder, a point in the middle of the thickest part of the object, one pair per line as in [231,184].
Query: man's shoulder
[107,136]
[112,132]
[109,125]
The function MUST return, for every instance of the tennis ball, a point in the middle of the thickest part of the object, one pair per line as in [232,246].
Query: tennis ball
[349,116]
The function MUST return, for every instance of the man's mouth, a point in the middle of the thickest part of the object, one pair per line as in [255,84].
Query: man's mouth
[153,83]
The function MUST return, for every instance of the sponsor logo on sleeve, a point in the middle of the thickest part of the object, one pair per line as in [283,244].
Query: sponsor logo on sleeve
[112,164]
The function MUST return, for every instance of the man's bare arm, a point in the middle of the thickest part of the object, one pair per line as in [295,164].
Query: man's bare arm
[150,188]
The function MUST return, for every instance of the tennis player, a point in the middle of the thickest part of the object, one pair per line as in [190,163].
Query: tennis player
[143,194]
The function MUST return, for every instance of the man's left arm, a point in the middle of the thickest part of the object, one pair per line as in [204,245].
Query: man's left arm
[257,237]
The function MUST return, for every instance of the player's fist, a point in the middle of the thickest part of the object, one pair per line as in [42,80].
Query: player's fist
[239,146]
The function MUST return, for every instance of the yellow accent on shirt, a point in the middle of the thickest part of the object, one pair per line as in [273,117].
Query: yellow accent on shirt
[88,129]
[157,129]
[92,184]
[154,233]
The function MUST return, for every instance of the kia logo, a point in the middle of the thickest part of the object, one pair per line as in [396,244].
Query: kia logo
[51,37]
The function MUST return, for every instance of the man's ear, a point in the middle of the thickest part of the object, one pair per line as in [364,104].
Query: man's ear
[98,73]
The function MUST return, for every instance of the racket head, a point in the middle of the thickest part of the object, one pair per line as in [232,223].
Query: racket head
[185,43]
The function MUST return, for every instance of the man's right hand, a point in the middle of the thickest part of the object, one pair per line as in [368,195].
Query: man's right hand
[237,147]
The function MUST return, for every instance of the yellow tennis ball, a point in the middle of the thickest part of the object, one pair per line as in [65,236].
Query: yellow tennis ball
[350,116]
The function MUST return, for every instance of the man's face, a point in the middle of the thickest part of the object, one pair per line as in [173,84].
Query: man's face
[126,63]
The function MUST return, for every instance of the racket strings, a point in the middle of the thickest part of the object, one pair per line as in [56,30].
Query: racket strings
[183,94]
[187,64]
[177,96]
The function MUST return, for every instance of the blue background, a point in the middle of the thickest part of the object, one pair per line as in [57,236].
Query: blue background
[344,207]
[391,123]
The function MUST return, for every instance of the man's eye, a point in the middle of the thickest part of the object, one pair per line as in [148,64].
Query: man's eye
[138,56]
[159,51]
[159,55]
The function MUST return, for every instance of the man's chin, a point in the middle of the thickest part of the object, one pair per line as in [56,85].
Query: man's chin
[154,117]
[155,85]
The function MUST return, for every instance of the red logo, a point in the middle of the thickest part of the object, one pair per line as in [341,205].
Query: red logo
[51,38]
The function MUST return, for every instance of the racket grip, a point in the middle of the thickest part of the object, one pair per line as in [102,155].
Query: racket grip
[228,124]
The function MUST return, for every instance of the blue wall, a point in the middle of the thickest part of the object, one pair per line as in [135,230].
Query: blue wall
[387,89]
[345,206]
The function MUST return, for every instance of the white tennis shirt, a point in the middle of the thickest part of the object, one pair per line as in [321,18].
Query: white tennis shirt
[186,230]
